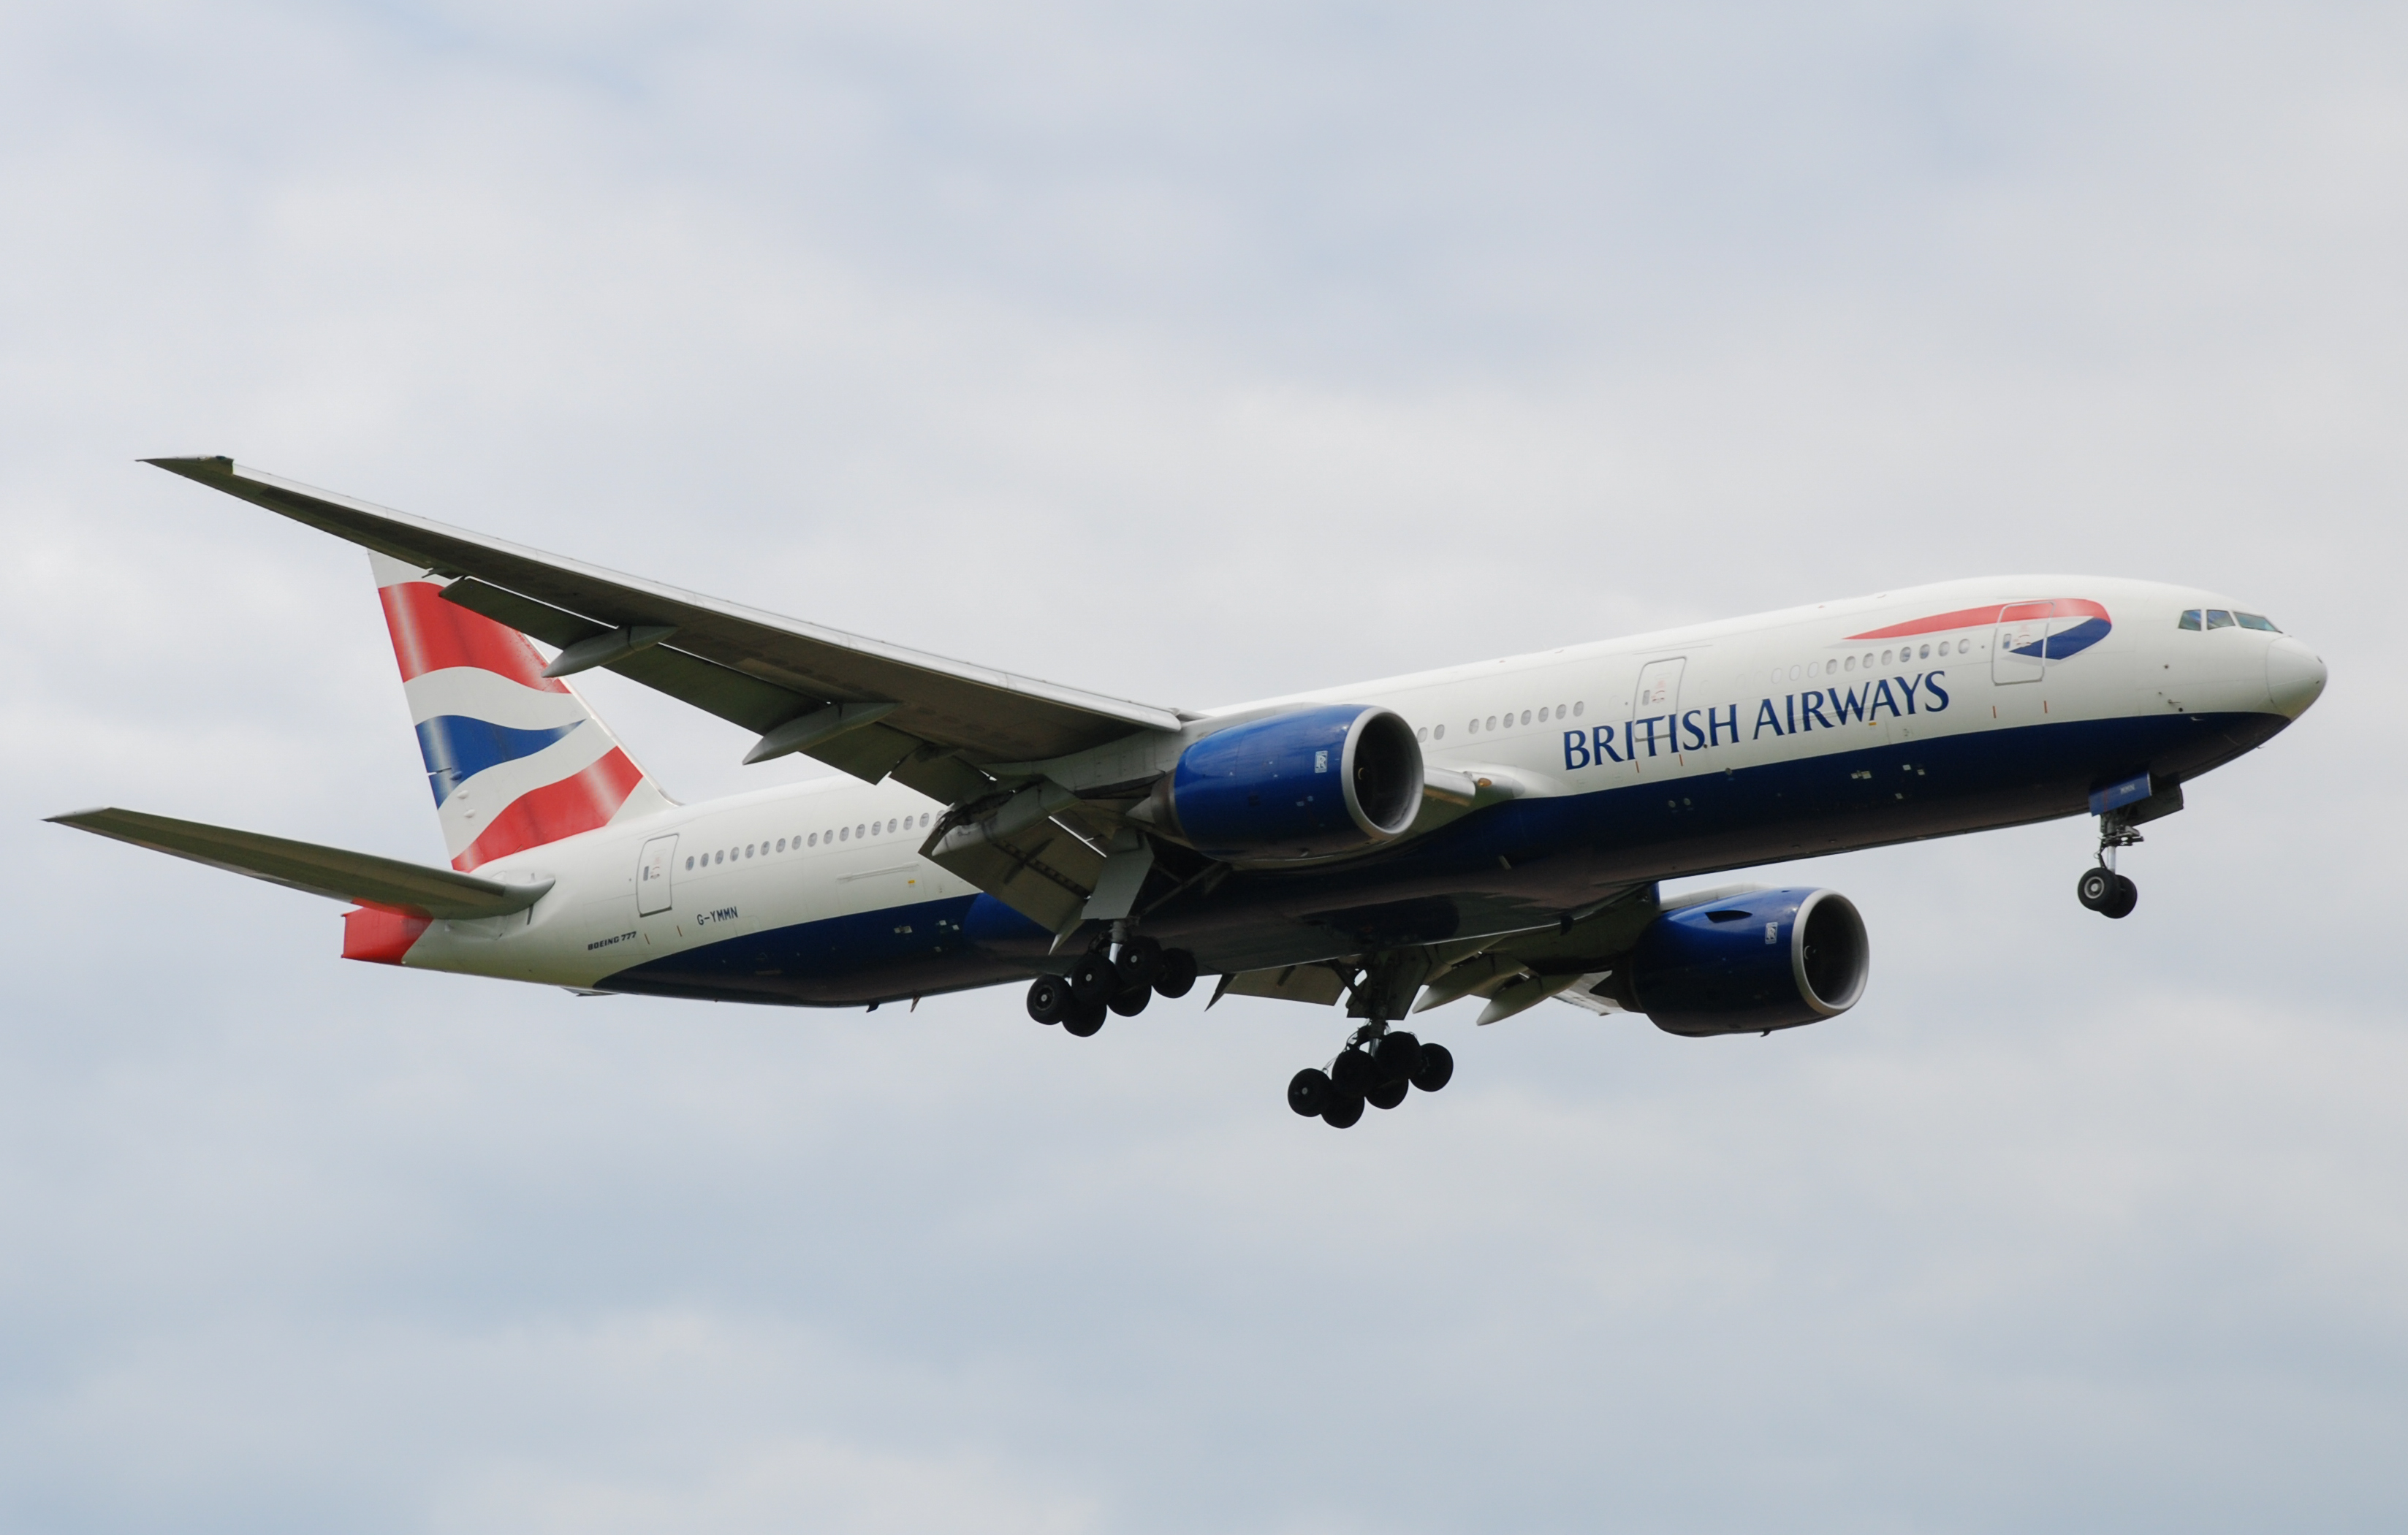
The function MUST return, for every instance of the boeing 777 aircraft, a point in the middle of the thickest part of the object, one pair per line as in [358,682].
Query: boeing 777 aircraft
[1497,831]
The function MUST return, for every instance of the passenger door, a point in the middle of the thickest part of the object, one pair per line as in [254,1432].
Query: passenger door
[2019,648]
[653,870]
[1657,698]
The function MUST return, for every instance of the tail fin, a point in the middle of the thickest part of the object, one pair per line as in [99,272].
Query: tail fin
[515,759]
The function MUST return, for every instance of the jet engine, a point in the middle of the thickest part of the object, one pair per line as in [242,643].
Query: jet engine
[1309,782]
[1763,960]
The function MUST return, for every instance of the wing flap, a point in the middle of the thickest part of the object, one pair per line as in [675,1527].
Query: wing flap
[388,884]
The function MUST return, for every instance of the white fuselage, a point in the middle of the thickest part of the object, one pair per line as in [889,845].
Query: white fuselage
[1650,711]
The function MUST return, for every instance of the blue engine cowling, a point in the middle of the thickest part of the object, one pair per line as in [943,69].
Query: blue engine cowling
[1766,959]
[1310,783]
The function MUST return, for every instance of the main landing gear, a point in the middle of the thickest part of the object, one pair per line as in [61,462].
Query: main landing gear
[2103,889]
[1103,982]
[1377,1067]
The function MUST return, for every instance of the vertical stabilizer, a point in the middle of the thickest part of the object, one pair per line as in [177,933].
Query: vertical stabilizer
[515,759]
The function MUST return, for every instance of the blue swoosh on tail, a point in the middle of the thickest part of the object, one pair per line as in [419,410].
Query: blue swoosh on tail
[458,747]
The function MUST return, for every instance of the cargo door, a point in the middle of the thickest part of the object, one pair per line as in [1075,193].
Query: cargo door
[653,870]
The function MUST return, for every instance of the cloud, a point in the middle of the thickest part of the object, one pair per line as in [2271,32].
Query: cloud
[1194,355]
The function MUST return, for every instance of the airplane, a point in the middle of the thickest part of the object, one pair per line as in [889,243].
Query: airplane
[1500,830]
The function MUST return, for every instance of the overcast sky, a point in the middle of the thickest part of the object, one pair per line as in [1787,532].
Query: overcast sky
[1194,353]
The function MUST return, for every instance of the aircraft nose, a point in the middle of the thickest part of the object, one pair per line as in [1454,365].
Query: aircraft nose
[2295,676]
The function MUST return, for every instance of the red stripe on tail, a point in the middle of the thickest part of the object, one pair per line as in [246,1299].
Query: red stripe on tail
[579,803]
[430,634]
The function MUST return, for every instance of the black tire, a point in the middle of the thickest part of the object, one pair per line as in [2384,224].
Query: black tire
[2094,888]
[1387,1095]
[1308,1091]
[1094,980]
[2119,904]
[1435,1068]
[1177,976]
[1082,1019]
[1342,1110]
[1049,998]
[1352,1071]
[1140,962]
[1129,1003]
[1394,1057]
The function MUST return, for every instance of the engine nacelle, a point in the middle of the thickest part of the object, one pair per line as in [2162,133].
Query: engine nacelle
[1767,959]
[1314,782]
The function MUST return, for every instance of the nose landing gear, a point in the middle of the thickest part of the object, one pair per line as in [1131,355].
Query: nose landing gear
[2103,889]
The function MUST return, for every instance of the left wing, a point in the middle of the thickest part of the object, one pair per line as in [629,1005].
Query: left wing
[860,704]
[336,873]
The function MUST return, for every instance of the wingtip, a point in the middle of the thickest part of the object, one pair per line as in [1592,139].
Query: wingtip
[77,818]
[193,466]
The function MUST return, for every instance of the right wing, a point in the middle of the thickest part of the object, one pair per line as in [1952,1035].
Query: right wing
[364,878]
[860,704]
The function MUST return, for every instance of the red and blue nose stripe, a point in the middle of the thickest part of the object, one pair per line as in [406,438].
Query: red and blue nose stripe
[2092,626]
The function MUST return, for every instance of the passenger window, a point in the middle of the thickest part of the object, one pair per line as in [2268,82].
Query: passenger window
[1439,735]
[1422,735]
[2219,619]
[1852,663]
[2258,622]
[1927,653]
[2189,620]
[1580,706]
[689,863]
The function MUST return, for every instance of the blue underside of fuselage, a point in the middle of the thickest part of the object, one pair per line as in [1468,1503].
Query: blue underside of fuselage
[1513,865]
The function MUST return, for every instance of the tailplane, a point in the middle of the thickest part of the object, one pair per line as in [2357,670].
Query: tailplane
[515,759]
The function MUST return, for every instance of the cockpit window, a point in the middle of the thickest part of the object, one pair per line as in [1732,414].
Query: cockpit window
[2258,621]
[2219,619]
[2189,620]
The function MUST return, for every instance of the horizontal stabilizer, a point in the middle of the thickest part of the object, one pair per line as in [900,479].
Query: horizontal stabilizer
[389,884]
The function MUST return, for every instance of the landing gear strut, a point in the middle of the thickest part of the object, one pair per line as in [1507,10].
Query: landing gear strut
[2103,889]
[1103,983]
[1377,1067]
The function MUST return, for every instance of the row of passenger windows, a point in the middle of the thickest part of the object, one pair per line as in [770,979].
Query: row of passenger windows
[2217,617]
[1505,720]
[797,842]
[1898,656]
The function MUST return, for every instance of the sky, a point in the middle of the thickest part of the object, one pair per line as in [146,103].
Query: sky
[1193,353]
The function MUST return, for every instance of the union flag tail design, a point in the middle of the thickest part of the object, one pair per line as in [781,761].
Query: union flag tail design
[515,759]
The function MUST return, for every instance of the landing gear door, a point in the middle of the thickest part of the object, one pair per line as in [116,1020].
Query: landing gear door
[1656,710]
[653,876]
[2019,649]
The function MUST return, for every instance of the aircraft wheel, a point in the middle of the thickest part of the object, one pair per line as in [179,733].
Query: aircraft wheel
[1351,1072]
[1177,975]
[2125,896]
[2094,888]
[1094,980]
[1342,1110]
[1394,1057]
[1049,998]
[1308,1091]
[1130,1003]
[1140,962]
[1435,1068]
[1082,1019]
[1387,1095]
